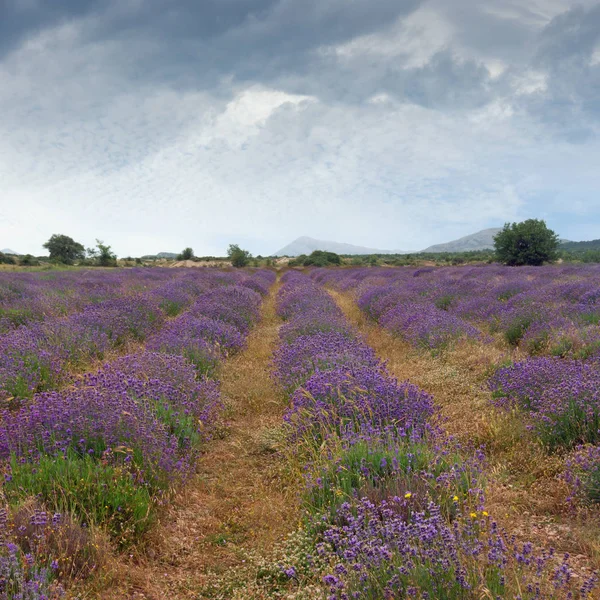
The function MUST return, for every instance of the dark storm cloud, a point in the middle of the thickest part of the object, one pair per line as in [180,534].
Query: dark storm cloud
[481,30]
[444,81]
[571,35]
[448,82]
[22,18]
[198,41]
[570,101]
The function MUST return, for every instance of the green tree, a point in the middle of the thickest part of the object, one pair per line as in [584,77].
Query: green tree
[29,261]
[527,243]
[186,254]
[5,259]
[237,256]
[322,258]
[103,255]
[64,249]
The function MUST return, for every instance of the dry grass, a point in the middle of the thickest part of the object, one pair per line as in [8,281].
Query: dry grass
[242,500]
[524,492]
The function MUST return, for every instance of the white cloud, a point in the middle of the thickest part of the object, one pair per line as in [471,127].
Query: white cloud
[89,149]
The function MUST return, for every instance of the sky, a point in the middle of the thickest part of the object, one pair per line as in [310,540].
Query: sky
[396,124]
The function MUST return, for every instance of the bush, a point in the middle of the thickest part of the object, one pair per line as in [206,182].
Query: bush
[29,261]
[318,258]
[321,258]
[238,257]
[102,255]
[5,259]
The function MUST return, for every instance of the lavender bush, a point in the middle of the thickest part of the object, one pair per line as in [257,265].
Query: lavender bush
[391,503]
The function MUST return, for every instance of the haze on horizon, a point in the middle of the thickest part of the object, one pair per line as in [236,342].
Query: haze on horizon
[155,125]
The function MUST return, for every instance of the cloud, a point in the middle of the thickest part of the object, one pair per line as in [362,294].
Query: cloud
[155,125]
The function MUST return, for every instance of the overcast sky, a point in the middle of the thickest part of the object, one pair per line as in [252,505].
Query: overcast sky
[159,124]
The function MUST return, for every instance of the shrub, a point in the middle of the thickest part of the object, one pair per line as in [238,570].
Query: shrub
[238,257]
[186,254]
[5,259]
[321,258]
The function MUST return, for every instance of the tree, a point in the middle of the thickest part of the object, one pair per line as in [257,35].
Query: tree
[322,258]
[103,255]
[64,249]
[5,259]
[527,243]
[29,261]
[237,256]
[186,254]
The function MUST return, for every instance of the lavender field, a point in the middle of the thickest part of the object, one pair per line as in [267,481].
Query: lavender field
[109,392]
[110,387]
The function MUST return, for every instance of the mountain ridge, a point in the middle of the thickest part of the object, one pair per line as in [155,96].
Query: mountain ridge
[306,245]
[480,240]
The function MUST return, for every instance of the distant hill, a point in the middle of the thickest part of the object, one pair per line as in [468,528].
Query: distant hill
[482,240]
[579,246]
[9,251]
[306,245]
[160,255]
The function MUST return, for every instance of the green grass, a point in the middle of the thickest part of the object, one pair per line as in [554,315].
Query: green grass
[380,469]
[95,493]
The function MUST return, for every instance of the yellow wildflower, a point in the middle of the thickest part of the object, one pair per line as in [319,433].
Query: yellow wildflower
[408,495]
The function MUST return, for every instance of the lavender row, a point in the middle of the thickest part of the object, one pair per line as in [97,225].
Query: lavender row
[561,399]
[34,297]
[40,356]
[110,448]
[551,310]
[391,504]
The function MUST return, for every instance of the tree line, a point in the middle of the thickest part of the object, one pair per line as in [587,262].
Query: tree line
[63,249]
[529,242]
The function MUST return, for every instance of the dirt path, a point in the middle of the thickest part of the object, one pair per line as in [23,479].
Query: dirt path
[524,491]
[457,386]
[240,500]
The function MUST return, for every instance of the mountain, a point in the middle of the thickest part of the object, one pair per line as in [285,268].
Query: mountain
[9,251]
[306,245]
[482,240]
[160,255]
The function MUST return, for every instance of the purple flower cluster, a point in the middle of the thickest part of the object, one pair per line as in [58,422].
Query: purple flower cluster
[547,310]
[39,355]
[137,401]
[335,380]
[426,326]
[115,441]
[144,403]
[391,503]
[215,326]
[22,579]
[562,397]
[28,571]
[382,554]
